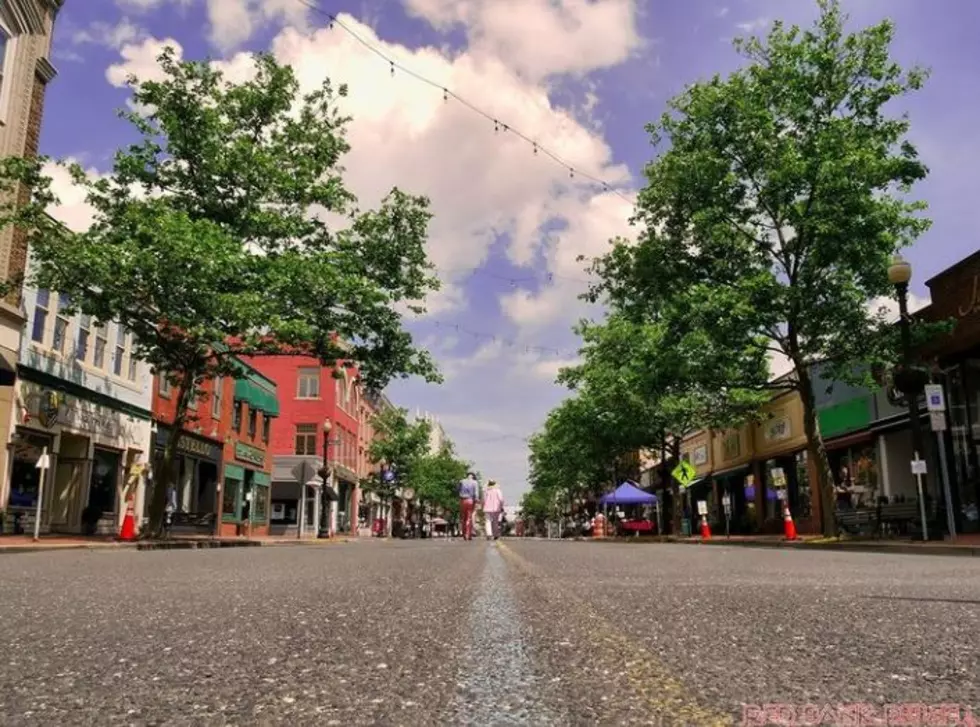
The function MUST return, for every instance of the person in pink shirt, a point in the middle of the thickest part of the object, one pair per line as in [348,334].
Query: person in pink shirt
[493,506]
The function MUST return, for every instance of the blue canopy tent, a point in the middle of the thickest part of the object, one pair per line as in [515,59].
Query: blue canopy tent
[628,494]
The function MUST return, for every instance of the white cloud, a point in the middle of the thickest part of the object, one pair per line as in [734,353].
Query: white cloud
[125,32]
[74,212]
[233,22]
[140,60]
[751,26]
[541,38]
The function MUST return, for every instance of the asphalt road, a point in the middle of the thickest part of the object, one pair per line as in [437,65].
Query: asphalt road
[435,632]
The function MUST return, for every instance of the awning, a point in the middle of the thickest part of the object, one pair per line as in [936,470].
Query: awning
[732,470]
[848,440]
[256,396]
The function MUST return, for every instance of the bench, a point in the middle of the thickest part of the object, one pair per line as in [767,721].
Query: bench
[891,518]
[193,521]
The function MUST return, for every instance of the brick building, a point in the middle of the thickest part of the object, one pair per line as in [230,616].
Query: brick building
[224,455]
[26,27]
[310,396]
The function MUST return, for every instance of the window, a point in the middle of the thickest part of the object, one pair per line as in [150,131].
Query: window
[101,343]
[133,361]
[84,331]
[252,423]
[120,350]
[308,384]
[306,439]
[41,315]
[342,390]
[216,397]
[165,387]
[61,323]
[237,419]
[4,43]
[266,426]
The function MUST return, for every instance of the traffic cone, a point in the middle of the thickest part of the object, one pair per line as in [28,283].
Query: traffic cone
[705,529]
[128,530]
[789,527]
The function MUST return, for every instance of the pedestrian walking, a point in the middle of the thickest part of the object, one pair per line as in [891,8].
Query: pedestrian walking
[468,492]
[493,508]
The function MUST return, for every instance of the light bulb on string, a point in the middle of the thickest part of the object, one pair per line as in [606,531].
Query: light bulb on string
[535,148]
[392,66]
[496,126]
[445,95]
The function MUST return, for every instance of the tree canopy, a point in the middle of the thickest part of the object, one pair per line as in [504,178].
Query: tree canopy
[211,230]
[780,196]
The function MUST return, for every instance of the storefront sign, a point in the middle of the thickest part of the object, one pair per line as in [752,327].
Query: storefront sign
[732,446]
[53,408]
[777,429]
[192,445]
[247,453]
[700,456]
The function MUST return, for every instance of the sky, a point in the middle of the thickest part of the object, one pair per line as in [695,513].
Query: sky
[580,78]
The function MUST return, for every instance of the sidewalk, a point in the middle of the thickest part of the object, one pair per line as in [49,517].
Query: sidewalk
[26,544]
[964,546]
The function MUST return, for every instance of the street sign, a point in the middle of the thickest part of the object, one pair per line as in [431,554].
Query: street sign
[938,421]
[702,507]
[684,473]
[304,472]
[388,476]
[935,398]
[918,466]
[44,461]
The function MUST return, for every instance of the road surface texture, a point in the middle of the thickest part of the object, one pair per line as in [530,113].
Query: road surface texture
[447,633]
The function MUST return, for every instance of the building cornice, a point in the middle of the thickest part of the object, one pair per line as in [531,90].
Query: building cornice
[28,16]
[44,70]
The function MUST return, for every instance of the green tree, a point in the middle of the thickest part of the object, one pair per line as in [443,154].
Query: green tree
[780,197]
[434,477]
[210,231]
[398,445]
[658,381]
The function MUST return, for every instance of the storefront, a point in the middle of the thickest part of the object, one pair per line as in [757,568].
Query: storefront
[197,473]
[732,451]
[955,295]
[246,493]
[97,449]
[852,448]
[783,466]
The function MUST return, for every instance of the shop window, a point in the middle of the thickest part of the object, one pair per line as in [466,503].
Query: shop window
[216,397]
[101,344]
[237,418]
[803,505]
[84,331]
[252,423]
[41,310]
[306,439]
[61,323]
[308,384]
[105,475]
[266,428]
[24,474]
[260,503]
[231,499]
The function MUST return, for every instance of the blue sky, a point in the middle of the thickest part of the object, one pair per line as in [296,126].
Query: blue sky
[582,77]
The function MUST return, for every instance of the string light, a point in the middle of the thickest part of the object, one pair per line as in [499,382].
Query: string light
[508,342]
[498,126]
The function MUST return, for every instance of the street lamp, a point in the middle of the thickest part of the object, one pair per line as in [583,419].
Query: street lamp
[325,475]
[909,380]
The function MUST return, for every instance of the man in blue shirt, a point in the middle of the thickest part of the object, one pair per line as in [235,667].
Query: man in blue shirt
[468,491]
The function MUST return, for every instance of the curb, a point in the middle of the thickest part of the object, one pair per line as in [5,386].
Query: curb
[844,546]
[165,545]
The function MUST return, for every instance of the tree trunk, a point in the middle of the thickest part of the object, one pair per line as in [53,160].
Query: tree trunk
[818,452]
[675,489]
[163,479]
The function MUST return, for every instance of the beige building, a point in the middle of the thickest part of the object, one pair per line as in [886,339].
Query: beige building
[25,43]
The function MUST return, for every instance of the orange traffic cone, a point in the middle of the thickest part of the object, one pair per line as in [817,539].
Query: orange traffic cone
[705,529]
[789,527]
[128,530]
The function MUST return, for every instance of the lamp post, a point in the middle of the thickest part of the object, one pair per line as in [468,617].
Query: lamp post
[324,528]
[909,380]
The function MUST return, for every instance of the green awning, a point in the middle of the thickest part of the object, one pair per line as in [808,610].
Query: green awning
[234,472]
[256,396]
[261,478]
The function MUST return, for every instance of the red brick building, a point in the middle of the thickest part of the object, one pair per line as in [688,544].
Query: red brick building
[311,394]
[223,478]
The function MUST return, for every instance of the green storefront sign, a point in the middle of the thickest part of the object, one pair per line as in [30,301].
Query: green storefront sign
[247,453]
[846,417]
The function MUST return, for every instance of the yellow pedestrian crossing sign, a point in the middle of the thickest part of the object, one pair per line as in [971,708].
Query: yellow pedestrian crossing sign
[684,473]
